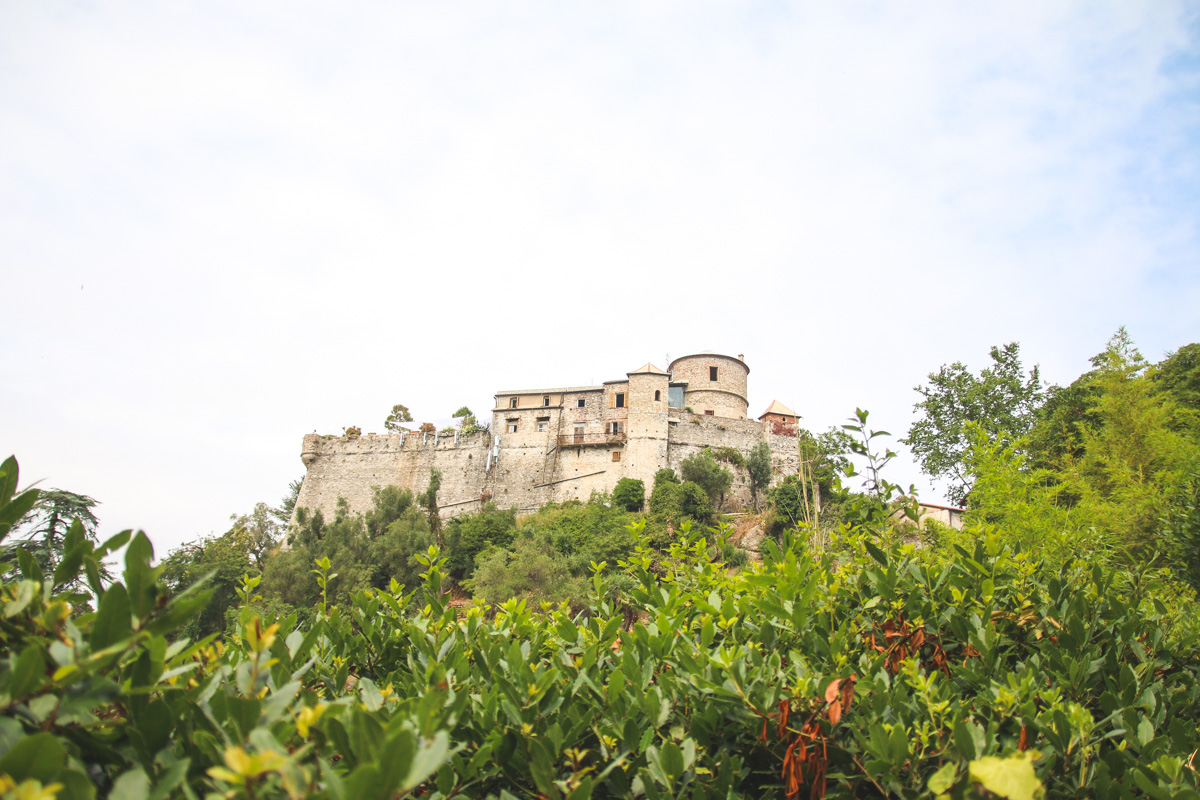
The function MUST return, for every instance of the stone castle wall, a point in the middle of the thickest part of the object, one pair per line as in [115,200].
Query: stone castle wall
[349,468]
[526,469]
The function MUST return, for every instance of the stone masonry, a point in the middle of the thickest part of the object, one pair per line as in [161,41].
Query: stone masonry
[551,445]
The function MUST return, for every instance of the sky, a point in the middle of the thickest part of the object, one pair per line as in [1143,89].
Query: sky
[225,225]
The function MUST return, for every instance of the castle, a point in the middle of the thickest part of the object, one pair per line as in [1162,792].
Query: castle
[552,445]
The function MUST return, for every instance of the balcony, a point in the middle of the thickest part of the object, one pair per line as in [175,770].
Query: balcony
[591,439]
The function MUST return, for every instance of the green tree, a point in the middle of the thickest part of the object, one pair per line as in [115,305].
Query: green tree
[663,495]
[1135,456]
[758,466]
[1179,374]
[283,512]
[399,414]
[223,560]
[469,423]
[629,494]
[470,534]
[1003,398]
[672,502]
[702,469]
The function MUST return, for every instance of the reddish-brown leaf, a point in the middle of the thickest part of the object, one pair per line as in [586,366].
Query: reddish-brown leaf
[1023,744]
[835,712]
[785,707]
[831,691]
[818,781]
[793,771]
[848,691]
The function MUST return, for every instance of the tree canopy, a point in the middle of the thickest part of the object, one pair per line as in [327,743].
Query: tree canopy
[1003,399]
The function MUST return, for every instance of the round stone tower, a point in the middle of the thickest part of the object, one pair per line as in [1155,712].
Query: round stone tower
[716,384]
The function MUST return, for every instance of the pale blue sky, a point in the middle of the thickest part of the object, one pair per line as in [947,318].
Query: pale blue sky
[223,225]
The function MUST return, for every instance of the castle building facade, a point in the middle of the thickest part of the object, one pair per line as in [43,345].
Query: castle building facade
[552,445]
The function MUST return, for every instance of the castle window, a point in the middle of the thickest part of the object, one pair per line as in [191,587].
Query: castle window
[708,413]
[542,427]
[616,455]
[712,373]
[545,399]
[657,395]
[620,399]
[616,427]
[512,403]
[580,403]
[512,427]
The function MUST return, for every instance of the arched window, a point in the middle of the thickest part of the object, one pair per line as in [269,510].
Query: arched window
[657,395]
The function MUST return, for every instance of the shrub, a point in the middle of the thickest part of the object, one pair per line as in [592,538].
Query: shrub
[629,494]
[532,571]
[702,469]
[729,455]
[733,555]
[468,535]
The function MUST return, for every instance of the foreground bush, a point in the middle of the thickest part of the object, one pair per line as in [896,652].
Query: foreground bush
[856,672]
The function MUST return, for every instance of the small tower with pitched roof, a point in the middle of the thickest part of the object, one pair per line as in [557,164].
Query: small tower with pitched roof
[780,419]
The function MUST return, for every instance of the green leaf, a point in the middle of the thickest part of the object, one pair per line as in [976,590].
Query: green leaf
[943,779]
[1011,777]
[75,785]
[26,591]
[171,779]
[11,732]
[154,724]
[397,759]
[112,623]
[365,782]
[876,553]
[583,791]
[132,785]
[370,695]
[12,511]
[39,757]
[968,739]
[28,673]
[140,577]
[68,569]
[9,473]
[428,759]
[30,568]
[113,543]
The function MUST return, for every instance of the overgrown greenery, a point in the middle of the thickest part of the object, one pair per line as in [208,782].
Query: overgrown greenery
[1106,466]
[866,669]
[1051,648]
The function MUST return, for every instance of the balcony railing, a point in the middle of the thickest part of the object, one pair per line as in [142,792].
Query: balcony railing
[591,439]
